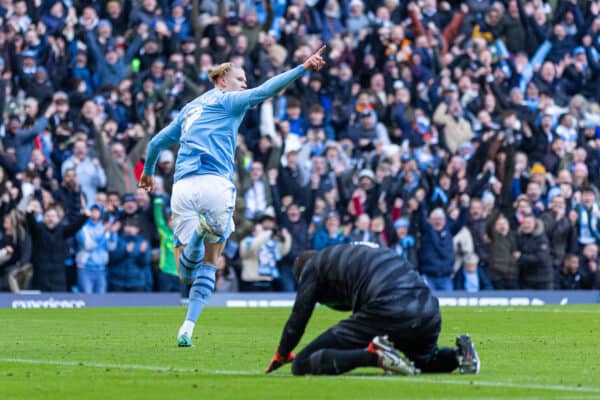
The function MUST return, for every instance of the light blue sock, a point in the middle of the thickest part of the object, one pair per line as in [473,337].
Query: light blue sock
[201,290]
[192,255]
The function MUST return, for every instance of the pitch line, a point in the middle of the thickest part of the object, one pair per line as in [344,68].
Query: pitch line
[423,379]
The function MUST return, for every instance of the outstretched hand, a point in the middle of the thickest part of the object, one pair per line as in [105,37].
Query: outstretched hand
[277,361]
[146,182]
[315,62]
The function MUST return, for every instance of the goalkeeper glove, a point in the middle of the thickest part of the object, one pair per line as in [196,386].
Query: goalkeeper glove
[278,360]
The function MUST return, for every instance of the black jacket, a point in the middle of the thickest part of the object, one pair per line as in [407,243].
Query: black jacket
[358,278]
[49,252]
[561,235]
[535,263]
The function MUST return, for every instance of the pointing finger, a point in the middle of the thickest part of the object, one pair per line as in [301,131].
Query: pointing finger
[321,50]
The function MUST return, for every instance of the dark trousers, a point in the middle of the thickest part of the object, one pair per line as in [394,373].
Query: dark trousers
[505,284]
[343,347]
[117,288]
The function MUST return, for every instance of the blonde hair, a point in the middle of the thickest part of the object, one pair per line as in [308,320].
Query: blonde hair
[219,71]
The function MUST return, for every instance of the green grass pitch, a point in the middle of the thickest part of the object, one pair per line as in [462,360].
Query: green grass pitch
[527,353]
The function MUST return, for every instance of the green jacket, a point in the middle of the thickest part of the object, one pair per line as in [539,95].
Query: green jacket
[167,258]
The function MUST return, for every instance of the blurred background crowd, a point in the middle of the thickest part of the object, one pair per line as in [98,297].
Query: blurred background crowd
[464,135]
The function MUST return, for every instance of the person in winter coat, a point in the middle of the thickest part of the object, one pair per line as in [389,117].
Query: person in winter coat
[49,246]
[456,129]
[129,260]
[502,248]
[260,252]
[533,255]
[571,275]
[330,234]
[436,256]
[470,277]
[15,253]
[94,241]
[22,140]
[559,230]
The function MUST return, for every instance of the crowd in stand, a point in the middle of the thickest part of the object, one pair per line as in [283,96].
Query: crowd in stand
[463,135]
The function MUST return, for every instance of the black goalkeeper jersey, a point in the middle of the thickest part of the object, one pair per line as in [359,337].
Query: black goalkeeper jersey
[360,278]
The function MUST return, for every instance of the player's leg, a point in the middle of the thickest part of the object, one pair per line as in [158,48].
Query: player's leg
[423,349]
[188,233]
[215,225]
[352,343]
[331,355]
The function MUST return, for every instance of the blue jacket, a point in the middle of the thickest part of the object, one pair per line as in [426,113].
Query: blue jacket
[129,269]
[436,256]
[111,73]
[321,239]
[93,242]
[23,142]
[459,281]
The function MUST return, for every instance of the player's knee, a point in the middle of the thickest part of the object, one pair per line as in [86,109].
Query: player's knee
[299,366]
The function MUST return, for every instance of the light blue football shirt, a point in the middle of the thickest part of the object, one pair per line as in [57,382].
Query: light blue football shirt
[206,129]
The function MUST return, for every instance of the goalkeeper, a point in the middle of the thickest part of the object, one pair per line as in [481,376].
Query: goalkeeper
[393,312]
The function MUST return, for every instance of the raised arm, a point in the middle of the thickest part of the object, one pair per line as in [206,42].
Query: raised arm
[239,102]
[167,137]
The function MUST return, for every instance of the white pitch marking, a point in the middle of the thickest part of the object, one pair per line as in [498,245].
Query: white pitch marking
[471,382]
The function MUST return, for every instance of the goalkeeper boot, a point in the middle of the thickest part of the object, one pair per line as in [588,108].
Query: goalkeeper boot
[390,359]
[468,361]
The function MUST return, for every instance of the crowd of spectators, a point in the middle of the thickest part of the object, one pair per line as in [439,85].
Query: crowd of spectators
[464,135]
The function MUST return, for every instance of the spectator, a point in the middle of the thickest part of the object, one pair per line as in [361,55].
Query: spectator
[129,260]
[227,281]
[569,276]
[15,253]
[470,277]
[168,279]
[260,252]
[590,262]
[94,239]
[405,243]
[561,234]
[49,246]
[533,255]
[329,234]
[89,172]
[22,140]
[502,255]
[436,256]
[585,218]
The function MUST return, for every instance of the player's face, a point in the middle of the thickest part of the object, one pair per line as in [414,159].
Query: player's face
[235,80]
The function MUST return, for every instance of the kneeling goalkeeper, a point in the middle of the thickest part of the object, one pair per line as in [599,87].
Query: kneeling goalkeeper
[393,312]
